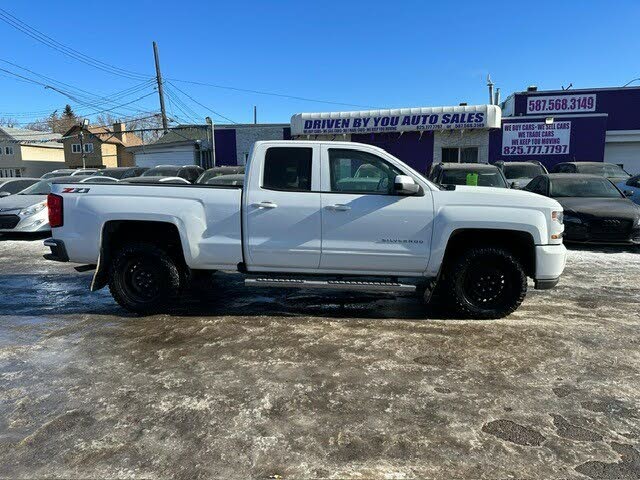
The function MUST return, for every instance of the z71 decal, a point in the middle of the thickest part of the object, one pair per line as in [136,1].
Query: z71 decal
[75,190]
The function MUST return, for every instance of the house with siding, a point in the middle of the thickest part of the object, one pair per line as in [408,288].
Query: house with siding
[29,153]
[102,146]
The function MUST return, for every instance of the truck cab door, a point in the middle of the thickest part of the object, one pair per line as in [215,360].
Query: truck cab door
[366,226]
[281,211]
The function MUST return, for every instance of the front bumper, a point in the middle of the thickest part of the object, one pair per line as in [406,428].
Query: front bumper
[58,250]
[15,223]
[619,232]
[550,263]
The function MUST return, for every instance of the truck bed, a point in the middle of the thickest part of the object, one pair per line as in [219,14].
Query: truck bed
[207,216]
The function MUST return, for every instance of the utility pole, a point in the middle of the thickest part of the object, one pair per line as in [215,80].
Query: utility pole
[84,163]
[255,114]
[160,90]
[213,140]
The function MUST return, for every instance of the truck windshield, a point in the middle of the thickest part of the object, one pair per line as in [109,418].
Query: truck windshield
[522,171]
[482,178]
[583,187]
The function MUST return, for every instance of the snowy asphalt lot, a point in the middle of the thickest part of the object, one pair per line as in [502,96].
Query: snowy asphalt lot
[317,385]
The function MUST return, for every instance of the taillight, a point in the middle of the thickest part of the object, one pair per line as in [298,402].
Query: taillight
[54,203]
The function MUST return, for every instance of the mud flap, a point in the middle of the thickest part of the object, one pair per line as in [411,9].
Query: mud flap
[101,275]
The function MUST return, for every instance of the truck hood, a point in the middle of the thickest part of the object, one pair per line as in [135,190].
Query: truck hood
[15,202]
[491,196]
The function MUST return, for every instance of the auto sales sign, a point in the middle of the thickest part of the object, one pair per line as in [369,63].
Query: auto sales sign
[397,120]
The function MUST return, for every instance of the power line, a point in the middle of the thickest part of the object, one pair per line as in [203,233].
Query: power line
[66,50]
[282,95]
[109,68]
[203,106]
[180,105]
[53,80]
[86,99]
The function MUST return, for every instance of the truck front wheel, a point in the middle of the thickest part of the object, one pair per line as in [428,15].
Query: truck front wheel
[486,282]
[143,278]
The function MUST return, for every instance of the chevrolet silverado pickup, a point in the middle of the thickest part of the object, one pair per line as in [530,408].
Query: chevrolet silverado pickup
[313,214]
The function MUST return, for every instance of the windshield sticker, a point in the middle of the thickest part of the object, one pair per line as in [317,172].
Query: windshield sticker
[472,179]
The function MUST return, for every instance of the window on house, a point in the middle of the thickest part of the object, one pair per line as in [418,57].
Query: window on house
[8,150]
[88,148]
[460,155]
[76,148]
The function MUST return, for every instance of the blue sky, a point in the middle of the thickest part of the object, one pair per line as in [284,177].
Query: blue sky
[372,53]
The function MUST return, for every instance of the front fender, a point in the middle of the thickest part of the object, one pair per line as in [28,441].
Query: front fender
[450,219]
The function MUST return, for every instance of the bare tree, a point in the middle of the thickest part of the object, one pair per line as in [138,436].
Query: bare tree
[148,128]
[8,122]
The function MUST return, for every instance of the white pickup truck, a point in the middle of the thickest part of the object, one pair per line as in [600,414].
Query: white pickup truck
[313,214]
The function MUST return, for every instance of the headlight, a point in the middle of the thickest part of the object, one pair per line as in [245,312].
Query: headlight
[557,216]
[27,212]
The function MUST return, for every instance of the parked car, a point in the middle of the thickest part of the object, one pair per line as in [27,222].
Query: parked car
[298,215]
[26,212]
[613,172]
[474,174]
[595,211]
[84,171]
[235,180]
[631,188]
[519,174]
[97,179]
[151,180]
[121,172]
[188,172]
[65,172]
[61,172]
[11,186]
[219,171]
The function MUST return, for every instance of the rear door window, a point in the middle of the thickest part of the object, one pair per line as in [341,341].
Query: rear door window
[288,169]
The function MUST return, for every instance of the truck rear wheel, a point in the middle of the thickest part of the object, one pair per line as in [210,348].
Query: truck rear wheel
[143,278]
[486,282]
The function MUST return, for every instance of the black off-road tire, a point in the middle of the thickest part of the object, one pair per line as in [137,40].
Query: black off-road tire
[143,278]
[485,282]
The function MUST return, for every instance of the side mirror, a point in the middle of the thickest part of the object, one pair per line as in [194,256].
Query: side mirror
[627,193]
[4,194]
[513,185]
[405,185]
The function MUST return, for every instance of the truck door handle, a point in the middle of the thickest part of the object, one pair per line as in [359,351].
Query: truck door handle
[265,205]
[339,207]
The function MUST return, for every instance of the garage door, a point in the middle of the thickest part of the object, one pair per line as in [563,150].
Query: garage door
[624,153]
[170,156]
